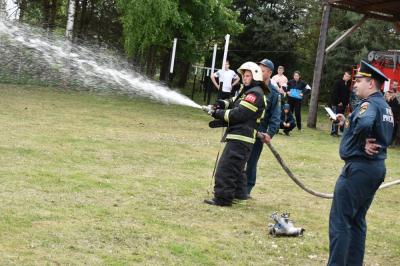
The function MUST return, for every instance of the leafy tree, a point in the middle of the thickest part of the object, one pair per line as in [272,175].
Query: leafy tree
[272,30]
[196,23]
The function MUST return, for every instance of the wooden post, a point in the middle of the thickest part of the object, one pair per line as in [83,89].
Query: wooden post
[319,61]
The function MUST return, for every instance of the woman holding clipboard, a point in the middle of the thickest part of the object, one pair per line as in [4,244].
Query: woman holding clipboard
[296,89]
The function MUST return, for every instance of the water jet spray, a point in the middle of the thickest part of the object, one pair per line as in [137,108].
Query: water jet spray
[87,67]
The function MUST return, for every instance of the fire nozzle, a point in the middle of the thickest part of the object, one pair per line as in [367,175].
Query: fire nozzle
[209,109]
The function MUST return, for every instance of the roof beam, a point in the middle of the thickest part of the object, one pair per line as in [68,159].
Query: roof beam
[379,6]
[346,34]
[389,17]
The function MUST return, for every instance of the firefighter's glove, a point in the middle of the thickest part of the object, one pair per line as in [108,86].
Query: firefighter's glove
[220,104]
[216,113]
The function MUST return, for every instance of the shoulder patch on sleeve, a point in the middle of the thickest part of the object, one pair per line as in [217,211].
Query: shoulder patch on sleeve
[251,98]
[363,107]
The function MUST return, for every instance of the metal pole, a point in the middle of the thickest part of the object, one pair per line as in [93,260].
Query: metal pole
[319,61]
[171,69]
[225,50]
[213,58]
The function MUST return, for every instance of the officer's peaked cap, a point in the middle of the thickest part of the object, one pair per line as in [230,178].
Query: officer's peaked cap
[268,63]
[368,71]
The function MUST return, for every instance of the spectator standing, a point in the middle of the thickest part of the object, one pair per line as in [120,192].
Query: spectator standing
[340,98]
[296,90]
[281,80]
[392,99]
[227,79]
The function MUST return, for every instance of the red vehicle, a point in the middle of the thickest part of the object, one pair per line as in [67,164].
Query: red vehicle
[386,61]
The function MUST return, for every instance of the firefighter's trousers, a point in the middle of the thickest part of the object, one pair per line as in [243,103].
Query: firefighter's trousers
[230,178]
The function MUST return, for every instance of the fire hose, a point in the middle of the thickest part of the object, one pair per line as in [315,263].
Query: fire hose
[309,190]
[208,109]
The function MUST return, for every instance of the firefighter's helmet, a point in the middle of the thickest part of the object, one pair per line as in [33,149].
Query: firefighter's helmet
[254,68]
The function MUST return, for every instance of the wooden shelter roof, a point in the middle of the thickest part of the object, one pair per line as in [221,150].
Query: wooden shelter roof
[388,10]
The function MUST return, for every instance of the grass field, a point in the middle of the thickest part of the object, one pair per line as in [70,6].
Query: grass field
[111,180]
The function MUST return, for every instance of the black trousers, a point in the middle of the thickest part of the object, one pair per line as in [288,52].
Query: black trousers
[295,105]
[230,177]
[288,129]
[223,95]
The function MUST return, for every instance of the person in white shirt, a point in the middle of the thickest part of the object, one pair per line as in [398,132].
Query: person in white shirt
[227,79]
[281,80]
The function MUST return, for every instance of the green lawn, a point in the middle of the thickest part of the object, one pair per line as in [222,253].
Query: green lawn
[112,180]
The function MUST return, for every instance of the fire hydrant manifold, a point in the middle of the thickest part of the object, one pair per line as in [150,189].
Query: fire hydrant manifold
[284,226]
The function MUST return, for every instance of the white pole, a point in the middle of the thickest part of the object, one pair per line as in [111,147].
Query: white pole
[171,70]
[213,58]
[225,51]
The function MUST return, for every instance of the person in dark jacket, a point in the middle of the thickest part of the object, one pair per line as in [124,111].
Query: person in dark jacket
[392,98]
[367,134]
[287,120]
[296,90]
[241,114]
[340,98]
[269,124]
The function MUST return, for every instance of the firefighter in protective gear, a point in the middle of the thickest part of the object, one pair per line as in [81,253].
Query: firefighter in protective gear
[242,115]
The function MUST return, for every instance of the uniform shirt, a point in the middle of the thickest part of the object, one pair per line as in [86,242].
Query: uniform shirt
[271,121]
[226,77]
[281,80]
[371,118]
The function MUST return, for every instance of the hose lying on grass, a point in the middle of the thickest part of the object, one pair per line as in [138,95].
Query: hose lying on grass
[309,190]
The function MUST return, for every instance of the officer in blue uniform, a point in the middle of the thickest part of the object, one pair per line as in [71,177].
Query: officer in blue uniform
[366,136]
[269,123]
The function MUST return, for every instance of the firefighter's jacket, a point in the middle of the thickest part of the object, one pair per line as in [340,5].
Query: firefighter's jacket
[243,114]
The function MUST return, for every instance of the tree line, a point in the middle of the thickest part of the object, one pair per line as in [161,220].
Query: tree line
[285,31]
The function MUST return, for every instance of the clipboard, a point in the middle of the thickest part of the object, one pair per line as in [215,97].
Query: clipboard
[330,112]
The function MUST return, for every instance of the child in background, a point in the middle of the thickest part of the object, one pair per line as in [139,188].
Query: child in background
[287,120]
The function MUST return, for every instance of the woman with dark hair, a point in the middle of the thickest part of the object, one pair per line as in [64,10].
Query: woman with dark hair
[296,89]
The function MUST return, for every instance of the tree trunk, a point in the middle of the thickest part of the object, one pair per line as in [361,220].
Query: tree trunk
[164,69]
[151,62]
[46,13]
[3,9]
[49,14]
[53,14]
[184,74]
[22,8]
[69,32]
[83,21]
[319,61]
